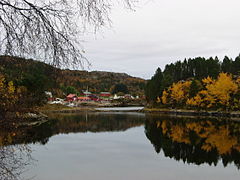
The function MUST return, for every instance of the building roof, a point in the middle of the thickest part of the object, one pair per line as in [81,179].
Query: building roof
[105,93]
[71,96]
[84,98]
[86,92]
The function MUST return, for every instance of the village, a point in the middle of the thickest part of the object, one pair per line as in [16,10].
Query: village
[86,98]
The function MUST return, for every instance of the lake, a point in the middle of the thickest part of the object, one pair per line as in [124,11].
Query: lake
[123,145]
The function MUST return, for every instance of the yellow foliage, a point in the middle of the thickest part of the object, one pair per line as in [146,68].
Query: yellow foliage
[217,92]
[8,94]
[222,140]
[164,97]
[210,136]
[179,134]
[179,91]
[11,87]
[164,127]
[221,89]
[196,101]
[207,80]
[206,147]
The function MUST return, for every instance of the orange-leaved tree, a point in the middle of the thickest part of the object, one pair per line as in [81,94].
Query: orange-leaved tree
[218,93]
[177,94]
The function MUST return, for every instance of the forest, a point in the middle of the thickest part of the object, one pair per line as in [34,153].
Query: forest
[197,83]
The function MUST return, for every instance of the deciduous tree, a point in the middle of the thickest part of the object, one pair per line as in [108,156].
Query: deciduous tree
[50,29]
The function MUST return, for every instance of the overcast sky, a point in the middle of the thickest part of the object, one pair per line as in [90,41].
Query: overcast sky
[164,31]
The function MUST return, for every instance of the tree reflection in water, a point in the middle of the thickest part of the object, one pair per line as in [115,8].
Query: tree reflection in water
[71,123]
[14,160]
[195,140]
[15,154]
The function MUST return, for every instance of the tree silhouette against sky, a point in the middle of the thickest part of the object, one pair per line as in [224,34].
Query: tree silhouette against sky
[50,30]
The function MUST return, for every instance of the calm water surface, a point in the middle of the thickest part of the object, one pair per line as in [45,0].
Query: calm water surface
[120,146]
[120,108]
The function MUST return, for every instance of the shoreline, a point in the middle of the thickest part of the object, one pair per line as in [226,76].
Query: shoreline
[166,111]
[34,119]
[90,109]
[184,112]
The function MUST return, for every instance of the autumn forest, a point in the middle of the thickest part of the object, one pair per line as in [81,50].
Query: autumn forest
[197,83]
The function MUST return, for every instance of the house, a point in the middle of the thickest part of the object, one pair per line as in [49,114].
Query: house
[72,97]
[93,97]
[105,94]
[49,96]
[116,96]
[86,93]
[128,96]
[84,99]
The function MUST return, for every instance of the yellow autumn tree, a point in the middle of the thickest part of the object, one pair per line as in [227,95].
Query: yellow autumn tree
[195,101]
[164,97]
[179,92]
[221,89]
[220,93]
[8,95]
[217,94]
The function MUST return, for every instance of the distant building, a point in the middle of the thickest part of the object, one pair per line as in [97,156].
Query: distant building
[105,94]
[84,99]
[49,94]
[86,93]
[116,96]
[128,96]
[72,97]
[93,97]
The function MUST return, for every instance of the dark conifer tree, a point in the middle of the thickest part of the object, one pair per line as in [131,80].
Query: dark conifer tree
[227,65]
[236,65]
[154,86]
[213,67]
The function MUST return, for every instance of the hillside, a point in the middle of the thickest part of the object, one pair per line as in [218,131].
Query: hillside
[35,75]
[98,81]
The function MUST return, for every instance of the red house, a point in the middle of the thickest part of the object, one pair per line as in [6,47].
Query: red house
[105,94]
[72,97]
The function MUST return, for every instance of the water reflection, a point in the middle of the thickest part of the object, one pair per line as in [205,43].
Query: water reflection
[191,140]
[14,160]
[195,140]
[71,123]
[15,151]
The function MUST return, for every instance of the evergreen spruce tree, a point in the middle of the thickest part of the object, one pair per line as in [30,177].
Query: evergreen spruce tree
[154,86]
[236,65]
[227,65]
